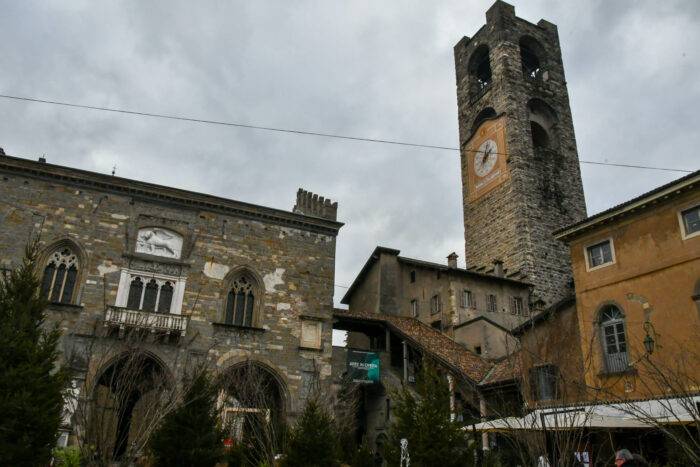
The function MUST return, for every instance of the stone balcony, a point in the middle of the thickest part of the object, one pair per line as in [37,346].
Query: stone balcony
[124,318]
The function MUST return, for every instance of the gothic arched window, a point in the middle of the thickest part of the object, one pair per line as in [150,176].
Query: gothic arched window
[60,276]
[240,302]
[543,122]
[135,292]
[166,298]
[150,294]
[614,339]
[485,114]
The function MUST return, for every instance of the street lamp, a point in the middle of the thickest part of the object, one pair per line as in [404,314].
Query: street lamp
[649,343]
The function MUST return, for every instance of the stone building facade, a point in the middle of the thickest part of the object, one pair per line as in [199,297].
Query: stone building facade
[511,73]
[197,278]
[476,309]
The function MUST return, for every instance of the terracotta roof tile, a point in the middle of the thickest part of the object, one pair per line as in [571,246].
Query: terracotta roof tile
[431,341]
[505,370]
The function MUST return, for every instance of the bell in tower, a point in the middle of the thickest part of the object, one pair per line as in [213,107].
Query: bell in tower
[520,171]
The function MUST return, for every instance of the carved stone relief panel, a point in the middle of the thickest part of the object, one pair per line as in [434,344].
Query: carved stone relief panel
[158,241]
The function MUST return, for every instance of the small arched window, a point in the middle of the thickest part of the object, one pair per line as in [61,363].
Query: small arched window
[240,302]
[486,114]
[543,121]
[166,298]
[60,276]
[540,138]
[614,339]
[480,70]
[154,294]
[532,58]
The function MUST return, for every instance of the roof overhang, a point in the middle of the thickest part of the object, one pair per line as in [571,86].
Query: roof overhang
[642,202]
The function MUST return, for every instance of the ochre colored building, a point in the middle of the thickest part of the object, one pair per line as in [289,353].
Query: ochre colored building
[637,277]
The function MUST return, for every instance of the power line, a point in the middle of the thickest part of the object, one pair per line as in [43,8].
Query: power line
[302,132]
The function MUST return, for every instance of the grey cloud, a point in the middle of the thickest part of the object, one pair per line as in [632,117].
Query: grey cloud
[377,69]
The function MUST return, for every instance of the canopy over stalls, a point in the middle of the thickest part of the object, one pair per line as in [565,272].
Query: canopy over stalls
[632,414]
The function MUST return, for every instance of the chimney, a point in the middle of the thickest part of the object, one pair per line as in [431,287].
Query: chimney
[42,160]
[498,268]
[2,152]
[452,260]
[311,204]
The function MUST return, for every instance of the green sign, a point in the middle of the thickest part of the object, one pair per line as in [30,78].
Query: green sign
[363,367]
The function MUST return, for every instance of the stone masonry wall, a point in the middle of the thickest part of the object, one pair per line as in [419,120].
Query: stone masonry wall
[515,221]
[294,264]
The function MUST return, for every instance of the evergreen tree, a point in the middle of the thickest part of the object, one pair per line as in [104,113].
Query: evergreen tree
[313,442]
[190,435]
[363,457]
[31,388]
[425,422]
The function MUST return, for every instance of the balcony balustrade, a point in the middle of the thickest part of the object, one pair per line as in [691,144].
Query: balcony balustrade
[156,322]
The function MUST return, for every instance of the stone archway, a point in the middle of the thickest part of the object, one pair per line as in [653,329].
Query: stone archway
[130,395]
[253,400]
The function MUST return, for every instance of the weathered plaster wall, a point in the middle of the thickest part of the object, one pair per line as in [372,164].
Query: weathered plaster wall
[653,261]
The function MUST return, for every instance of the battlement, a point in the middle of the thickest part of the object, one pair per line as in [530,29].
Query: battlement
[311,204]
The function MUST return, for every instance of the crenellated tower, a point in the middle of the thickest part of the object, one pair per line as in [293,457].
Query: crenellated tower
[520,169]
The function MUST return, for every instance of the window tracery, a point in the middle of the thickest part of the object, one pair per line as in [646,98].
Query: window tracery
[240,302]
[60,276]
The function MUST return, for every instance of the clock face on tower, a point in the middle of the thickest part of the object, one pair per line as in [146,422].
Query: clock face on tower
[486,158]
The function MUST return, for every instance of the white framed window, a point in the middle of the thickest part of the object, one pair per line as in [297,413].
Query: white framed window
[516,306]
[690,222]
[151,292]
[491,303]
[600,254]
[467,300]
[414,308]
[311,333]
[614,339]
[435,304]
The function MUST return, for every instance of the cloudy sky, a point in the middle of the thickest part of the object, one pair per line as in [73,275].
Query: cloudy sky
[362,68]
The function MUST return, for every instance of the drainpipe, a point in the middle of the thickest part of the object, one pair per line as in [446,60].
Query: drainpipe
[405,362]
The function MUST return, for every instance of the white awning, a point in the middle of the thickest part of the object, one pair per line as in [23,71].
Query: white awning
[633,414]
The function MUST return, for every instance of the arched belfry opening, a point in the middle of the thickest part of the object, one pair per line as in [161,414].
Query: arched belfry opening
[543,122]
[253,401]
[480,70]
[486,114]
[532,58]
[130,394]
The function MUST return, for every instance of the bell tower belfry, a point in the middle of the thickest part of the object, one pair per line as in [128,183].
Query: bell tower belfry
[520,168]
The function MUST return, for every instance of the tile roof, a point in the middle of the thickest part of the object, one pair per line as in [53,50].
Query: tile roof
[504,371]
[436,344]
[563,304]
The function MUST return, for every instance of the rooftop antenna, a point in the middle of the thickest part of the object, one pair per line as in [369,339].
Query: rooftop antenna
[114,170]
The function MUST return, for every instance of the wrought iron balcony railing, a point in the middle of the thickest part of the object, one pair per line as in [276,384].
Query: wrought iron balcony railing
[135,319]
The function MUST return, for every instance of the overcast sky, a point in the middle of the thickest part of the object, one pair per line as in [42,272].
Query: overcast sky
[362,68]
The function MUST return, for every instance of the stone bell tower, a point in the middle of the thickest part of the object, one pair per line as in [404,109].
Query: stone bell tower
[520,169]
